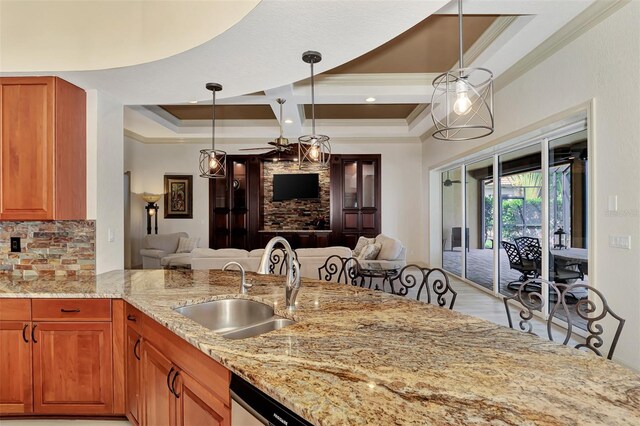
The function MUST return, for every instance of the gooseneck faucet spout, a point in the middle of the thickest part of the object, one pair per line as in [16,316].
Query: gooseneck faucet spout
[292,284]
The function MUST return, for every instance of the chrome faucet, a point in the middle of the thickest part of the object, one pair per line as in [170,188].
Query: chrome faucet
[293,269]
[244,286]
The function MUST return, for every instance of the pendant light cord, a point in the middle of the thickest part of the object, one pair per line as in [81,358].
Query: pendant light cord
[461,60]
[313,103]
[213,121]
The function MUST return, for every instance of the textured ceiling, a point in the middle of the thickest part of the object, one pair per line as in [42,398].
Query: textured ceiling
[223,112]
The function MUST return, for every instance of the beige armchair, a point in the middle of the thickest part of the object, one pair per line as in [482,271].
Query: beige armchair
[157,247]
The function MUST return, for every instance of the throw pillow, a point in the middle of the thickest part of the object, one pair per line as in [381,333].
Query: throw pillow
[369,252]
[362,242]
[391,248]
[186,245]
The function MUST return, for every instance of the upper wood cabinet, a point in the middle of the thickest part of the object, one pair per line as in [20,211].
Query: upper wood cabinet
[42,149]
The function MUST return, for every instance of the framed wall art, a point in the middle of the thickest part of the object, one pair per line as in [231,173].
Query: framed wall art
[178,197]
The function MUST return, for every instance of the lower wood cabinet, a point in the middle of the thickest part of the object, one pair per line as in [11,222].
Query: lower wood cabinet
[165,375]
[72,368]
[134,374]
[15,367]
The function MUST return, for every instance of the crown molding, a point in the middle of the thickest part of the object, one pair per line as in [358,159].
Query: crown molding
[594,14]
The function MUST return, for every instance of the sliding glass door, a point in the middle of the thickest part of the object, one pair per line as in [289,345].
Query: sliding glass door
[452,221]
[479,222]
[540,190]
[520,256]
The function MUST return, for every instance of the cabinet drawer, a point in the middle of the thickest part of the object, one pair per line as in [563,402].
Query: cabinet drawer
[71,309]
[15,309]
[133,318]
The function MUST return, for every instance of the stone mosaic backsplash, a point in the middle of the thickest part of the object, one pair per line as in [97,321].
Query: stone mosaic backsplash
[293,214]
[65,248]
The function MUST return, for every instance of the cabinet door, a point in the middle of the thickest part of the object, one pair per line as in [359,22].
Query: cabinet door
[158,403]
[133,360]
[27,149]
[15,368]
[72,368]
[198,406]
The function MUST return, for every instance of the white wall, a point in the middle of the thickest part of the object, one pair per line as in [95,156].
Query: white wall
[601,64]
[105,200]
[148,163]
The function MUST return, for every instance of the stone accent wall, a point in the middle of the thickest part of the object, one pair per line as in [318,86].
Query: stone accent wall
[293,214]
[49,248]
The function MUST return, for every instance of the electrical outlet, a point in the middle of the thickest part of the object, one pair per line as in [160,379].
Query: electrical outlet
[15,245]
[620,241]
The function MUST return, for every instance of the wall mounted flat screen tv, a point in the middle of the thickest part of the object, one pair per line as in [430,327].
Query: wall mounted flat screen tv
[295,186]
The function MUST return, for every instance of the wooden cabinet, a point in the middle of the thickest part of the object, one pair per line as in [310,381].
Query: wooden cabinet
[169,391]
[309,239]
[59,357]
[158,403]
[42,149]
[15,367]
[196,405]
[355,198]
[72,365]
[234,204]
[134,373]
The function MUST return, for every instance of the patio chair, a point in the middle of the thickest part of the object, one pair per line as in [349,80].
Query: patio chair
[593,309]
[529,248]
[527,268]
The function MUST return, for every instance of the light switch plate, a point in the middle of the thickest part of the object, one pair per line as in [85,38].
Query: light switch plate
[613,203]
[111,235]
[620,241]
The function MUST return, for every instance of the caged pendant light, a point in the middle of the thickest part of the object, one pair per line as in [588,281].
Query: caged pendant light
[213,163]
[314,151]
[462,100]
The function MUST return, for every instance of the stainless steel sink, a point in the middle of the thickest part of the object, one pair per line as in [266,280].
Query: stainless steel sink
[235,318]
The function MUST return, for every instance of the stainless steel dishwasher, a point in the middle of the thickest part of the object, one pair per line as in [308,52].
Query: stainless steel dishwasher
[252,407]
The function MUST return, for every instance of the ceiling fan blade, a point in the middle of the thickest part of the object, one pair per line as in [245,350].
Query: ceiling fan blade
[254,149]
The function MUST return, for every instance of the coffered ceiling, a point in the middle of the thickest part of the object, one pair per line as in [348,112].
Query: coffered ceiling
[382,92]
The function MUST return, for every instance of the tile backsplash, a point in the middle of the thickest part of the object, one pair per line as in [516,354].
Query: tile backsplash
[49,248]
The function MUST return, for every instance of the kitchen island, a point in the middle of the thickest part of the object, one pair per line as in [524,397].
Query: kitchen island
[355,356]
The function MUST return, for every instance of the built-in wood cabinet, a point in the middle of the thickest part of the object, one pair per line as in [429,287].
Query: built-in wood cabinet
[176,383]
[59,354]
[304,239]
[355,197]
[42,149]
[15,367]
[234,204]
[72,368]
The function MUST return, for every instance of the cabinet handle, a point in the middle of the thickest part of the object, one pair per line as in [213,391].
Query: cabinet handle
[66,311]
[136,354]
[131,318]
[173,384]
[169,379]
[33,335]
[24,333]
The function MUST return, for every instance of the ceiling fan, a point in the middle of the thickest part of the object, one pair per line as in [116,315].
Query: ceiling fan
[279,144]
[448,182]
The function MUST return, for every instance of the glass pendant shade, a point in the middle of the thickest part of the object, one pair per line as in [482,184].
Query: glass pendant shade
[213,162]
[462,100]
[314,150]
[462,104]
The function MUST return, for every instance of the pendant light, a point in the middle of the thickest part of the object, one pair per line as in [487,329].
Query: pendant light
[462,100]
[213,163]
[314,151]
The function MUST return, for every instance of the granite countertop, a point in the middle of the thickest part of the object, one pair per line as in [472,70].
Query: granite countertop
[297,231]
[361,357]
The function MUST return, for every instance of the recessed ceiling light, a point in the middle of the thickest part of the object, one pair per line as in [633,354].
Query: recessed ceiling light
[370,99]
[193,102]
[288,121]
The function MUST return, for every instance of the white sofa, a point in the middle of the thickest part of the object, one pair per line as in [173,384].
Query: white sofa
[159,250]
[311,259]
